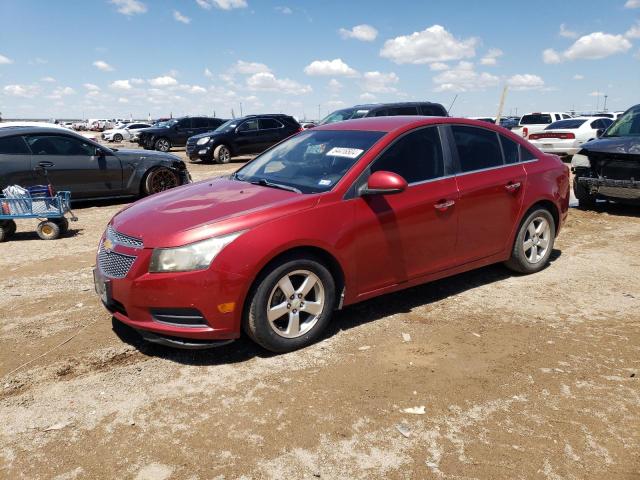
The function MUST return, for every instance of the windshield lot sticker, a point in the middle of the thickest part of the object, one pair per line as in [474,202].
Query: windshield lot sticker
[345,152]
[324,182]
[316,149]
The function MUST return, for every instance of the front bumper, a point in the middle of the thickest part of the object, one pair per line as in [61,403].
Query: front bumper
[198,152]
[607,187]
[155,303]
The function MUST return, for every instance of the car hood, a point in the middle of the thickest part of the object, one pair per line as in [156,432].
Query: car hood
[202,210]
[615,145]
[208,134]
[138,155]
[154,129]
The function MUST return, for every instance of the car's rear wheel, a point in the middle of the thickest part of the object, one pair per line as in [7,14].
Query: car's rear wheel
[534,242]
[117,137]
[162,144]
[291,305]
[159,180]
[222,154]
[585,199]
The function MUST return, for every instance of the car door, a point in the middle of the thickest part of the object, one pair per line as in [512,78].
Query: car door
[271,131]
[200,125]
[248,137]
[491,192]
[15,162]
[412,233]
[183,130]
[81,167]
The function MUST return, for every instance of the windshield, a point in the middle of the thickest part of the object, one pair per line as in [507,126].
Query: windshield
[311,162]
[227,125]
[628,125]
[346,114]
[168,123]
[570,124]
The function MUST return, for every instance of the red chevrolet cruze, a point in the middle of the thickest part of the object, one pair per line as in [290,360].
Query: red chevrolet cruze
[330,217]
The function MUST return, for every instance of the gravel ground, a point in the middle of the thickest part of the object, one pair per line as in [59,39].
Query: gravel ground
[520,376]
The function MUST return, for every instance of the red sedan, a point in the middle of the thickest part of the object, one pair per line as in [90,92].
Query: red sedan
[330,217]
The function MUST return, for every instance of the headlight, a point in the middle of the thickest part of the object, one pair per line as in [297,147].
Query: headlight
[195,256]
[579,160]
[203,140]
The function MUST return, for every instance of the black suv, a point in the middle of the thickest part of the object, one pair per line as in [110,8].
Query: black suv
[608,168]
[241,136]
[427,109]
[175,132]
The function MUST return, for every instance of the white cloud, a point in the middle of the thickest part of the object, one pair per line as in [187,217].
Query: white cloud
[364,32]
[121,85]
[335,67]
[178,17]
[249,68]
[5,60]
[222,4]
[197,89]
[434,44]
[377,82]
[64,91]
[164,81]
[525,81]
[25,91]
[137,81]
[594,46]
[208,73]
[595,94]
[438,66]
[368,97]
[335,104]
[491,57]
[577,76]
[266,81]
[566,33]
[633,32]
[284,10]
[91,87]
[103,66]
[632,4]
[123,100]
[129,7]
[334,85]
[463,78]
[48,79]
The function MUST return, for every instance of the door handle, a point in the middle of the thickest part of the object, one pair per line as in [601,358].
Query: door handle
[46,164]
[512,187]
[443,205]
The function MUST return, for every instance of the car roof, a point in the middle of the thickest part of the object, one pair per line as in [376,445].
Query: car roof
[393,104]
[29,130]
[390,124]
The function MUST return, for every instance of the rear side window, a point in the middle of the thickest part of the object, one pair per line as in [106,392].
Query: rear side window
[535,119]
[200,123]
[433,110]
[214,122]
[416,157]
[406,110]
[510,150]
[383,112]
[184,123]
[13,146]
[477,148]
[269,123]
[526,155]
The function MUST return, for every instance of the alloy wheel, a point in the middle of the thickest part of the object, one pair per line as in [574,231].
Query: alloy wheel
[536,240]
[162,180]
[295,303]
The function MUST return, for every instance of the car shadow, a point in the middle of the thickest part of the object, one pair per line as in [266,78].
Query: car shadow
[404,301]
[27,234]
[613,208]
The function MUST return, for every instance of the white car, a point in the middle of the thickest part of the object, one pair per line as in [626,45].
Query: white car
[565,138]
[125,133]
[538,121]
[32,124]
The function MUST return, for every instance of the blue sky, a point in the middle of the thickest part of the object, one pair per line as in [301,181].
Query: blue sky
[116,58]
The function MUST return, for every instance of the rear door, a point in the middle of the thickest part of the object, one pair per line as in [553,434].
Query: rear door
[248,137]
[271,132]
[491,190]
[72,164]
[15,162]
[200,125]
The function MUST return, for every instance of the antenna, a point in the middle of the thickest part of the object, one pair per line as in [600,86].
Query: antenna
[451,106]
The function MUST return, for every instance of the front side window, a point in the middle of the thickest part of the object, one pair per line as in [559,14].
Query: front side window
[433,111]
[477,148]
[248,126]
[416,157]
[200,123]
[311,162]
[628,125]
[408,110]
[184,123]
[13,146]
[383,112]
[59,145]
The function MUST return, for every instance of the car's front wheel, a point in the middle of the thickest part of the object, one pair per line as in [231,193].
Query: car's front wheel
[159,180]
[162,145]
[291,305]
[222,154]
[534,242]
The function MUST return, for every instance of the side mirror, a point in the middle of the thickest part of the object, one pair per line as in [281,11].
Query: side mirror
[384,183]
[99,152]
[599,132]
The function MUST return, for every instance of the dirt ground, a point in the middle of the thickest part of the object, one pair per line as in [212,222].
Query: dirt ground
[520,376]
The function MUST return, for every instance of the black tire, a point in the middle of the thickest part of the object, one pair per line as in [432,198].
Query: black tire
[7,229]
[520,261]
[586,201]
[117,138]
[48,230]
[158,180]
[255,321]
[62,223]
[222,154]
[162,144]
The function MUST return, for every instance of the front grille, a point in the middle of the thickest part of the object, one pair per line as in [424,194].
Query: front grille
[123,239]
[191,146]
[114,265]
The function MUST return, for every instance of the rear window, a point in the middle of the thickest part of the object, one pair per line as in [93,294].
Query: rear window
[566,124]
[13,146]
[535,119]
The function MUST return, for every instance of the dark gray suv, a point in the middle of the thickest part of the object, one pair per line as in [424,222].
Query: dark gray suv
[427,109]
[82,166]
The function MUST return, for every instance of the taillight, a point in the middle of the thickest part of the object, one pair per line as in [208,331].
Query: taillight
[525,132]
[560,135]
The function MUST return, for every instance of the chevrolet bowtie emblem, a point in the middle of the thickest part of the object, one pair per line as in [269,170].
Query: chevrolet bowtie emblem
[107,244]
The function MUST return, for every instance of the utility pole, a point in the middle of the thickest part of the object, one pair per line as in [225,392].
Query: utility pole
[241,110]
[501,106]
[605,102]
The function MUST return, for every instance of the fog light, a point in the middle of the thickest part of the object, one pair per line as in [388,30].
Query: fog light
[202,152]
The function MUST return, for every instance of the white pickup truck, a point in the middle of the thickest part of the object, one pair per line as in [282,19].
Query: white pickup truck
[537,121]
